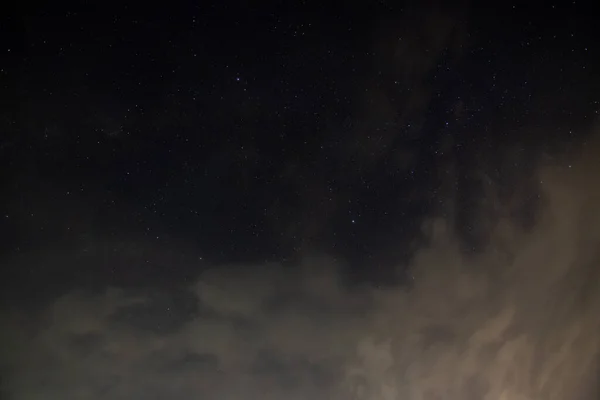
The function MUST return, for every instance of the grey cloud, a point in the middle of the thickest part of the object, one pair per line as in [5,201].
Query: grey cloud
[197,361]
[471,327]
[161,312]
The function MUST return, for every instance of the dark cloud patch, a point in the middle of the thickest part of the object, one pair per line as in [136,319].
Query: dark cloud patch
[170,362]
[432,335]
[292,374]
[83,344]
[318,309]
[161,312]
[198,361]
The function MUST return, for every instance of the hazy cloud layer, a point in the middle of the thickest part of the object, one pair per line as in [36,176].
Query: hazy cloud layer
[519,321]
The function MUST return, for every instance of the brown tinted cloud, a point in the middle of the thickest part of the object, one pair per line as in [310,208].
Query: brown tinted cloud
[519,321]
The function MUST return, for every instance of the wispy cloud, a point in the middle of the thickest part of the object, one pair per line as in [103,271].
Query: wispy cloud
[519,321]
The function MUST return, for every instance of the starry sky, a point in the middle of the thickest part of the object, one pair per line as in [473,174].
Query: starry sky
[269,193]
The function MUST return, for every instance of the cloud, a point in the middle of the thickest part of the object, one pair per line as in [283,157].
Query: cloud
[517,321]
[407,52]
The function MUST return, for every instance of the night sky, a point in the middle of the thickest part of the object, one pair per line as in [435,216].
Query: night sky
[373,200]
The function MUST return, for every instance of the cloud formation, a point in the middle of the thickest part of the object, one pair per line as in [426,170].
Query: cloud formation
[518,321]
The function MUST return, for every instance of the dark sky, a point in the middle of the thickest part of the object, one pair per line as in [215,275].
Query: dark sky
[142,146]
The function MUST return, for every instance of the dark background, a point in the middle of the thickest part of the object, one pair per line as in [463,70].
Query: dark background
[232,132]
[285,200]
